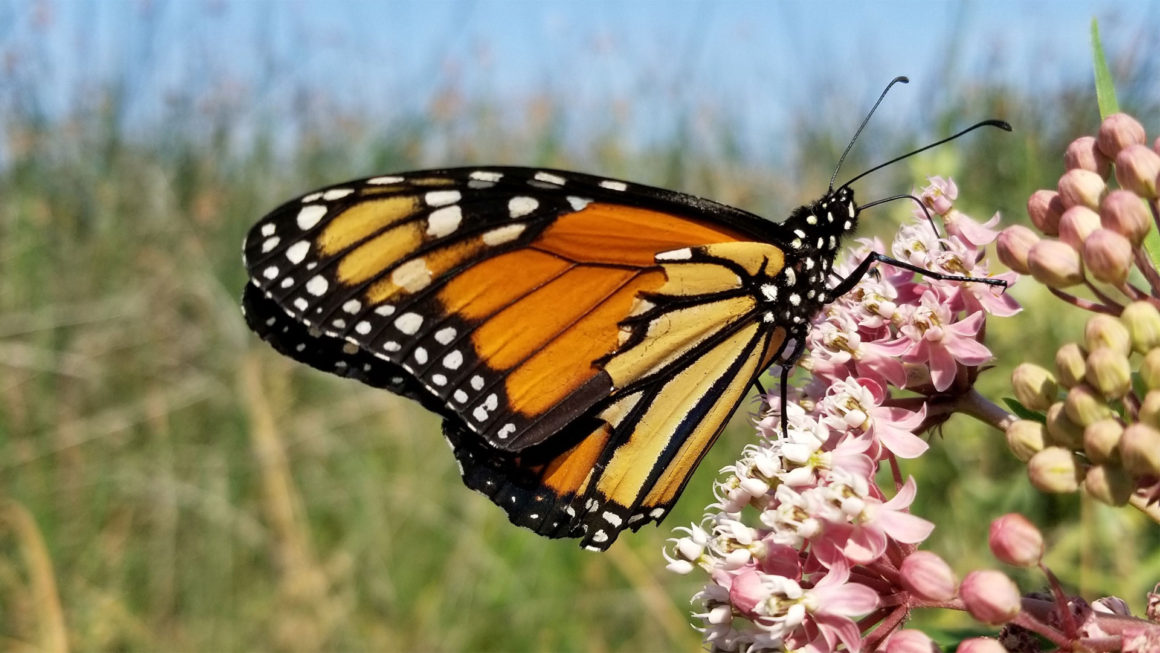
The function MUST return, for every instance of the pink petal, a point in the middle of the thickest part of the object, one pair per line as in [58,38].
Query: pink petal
[865,545]
[942,367]
[904,497]
[904,527]
[903,444]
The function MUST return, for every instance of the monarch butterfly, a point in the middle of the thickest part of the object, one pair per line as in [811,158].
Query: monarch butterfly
[585,339]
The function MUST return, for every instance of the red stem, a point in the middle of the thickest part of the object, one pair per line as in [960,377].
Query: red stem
[1085,304]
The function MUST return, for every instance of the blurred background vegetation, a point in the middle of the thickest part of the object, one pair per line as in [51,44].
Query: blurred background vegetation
[167,482]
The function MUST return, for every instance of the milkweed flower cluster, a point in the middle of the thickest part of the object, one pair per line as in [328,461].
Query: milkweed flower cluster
[1099,431]
[802,541]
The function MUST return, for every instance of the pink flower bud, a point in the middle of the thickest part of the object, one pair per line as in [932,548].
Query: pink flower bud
[1084,153]
[1034,386]
[1101,440]
[1140,450]
[1025,438]
[1104,330]
[1125,213]
[1071,364]
[1152,611]
[1015,540]
[1077,224]
[990,596]
[1137,167]
[1108,484]
[1014,244]
[910,641]
[1062,430]
[1045,208]
[1054,470]
[1142,321]
[928,576]
[747,591]
[1118,131]
[980,645]
[1055,264]
[1109,372]
[1079,187]
[1107,255]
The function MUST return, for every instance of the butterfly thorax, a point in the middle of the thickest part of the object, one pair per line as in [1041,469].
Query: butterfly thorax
[813,233]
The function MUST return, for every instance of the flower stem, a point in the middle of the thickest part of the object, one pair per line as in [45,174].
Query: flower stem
[976,405]
[1085,304]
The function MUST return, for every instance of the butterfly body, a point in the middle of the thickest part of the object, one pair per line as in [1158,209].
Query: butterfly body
[585,339]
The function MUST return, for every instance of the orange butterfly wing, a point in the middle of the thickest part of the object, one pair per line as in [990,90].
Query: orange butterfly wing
[584,339]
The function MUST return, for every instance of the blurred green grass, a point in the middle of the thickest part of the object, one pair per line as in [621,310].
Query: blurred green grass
[168,482]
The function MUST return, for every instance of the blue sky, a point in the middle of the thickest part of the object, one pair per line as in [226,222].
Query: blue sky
[758,62]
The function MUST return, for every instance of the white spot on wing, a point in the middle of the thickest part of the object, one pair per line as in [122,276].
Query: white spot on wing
[317,285]
[550,178]
[409,323]
[521,205]
[310,215]
[385,310]
[382,181]
[269,244]
[412,276]
[444,221]
[268,229]
[297,252]
[363,327]
[270,272]
[336,193]
[352,306]
[453,360]
[486,175]
[578,203]
[504,234]
[441,197]
[682,254]
[613,185]
[445,335]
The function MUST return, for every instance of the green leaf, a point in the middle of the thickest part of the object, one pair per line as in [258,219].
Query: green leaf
[1105,88]
[1023,412]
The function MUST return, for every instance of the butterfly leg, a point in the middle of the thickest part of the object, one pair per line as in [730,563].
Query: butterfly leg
[849,282]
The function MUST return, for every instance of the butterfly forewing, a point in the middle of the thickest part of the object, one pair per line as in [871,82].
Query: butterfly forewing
[585,339]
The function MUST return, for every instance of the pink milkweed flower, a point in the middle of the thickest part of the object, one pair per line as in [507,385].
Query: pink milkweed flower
[856,405]
[870,523]
[837,343]
[939,195]
[941,343]
[830,607]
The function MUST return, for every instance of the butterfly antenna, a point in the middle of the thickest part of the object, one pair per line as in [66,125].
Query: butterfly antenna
[919,202]
[900,79]
[1001,124]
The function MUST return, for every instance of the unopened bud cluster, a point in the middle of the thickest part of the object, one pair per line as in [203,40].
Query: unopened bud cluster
[1101,431]
[1086,231]
[1101,404]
